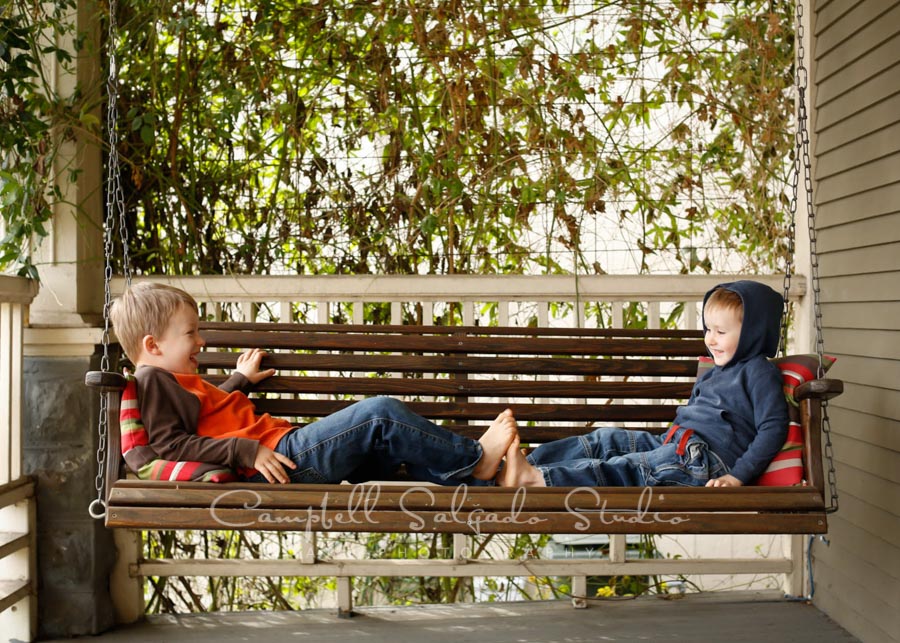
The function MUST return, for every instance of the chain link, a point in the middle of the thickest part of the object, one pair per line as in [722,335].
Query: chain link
[789,260]
[802,154]
[115,208]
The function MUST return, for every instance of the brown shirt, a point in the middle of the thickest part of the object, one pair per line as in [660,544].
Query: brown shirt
[187,418]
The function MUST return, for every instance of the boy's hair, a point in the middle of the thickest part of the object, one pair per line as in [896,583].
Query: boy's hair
[145,309]
[724,299]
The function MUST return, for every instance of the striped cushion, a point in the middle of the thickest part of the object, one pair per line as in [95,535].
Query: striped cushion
[786,468]
[142,460]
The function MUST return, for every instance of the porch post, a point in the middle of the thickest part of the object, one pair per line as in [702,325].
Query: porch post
[795,546]
[70,259]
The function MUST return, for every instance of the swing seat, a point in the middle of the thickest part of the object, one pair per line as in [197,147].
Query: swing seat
[559,382]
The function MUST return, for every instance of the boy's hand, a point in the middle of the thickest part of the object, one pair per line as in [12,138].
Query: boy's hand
[248,365]
[269,463]
[727,480]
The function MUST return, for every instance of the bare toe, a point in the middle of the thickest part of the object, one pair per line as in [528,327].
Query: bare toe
[495,443]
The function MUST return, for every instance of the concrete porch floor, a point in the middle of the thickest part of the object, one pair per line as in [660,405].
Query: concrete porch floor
[735,617]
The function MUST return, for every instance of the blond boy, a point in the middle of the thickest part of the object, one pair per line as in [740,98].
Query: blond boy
[189,419]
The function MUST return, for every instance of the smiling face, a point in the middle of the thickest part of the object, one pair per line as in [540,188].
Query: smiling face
[723,332]
[176,350]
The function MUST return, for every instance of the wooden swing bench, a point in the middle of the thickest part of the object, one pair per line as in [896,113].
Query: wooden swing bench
[559,382]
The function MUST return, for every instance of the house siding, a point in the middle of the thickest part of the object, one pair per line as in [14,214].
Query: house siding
[855,75]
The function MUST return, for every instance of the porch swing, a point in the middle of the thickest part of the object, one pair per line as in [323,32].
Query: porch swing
[463,370]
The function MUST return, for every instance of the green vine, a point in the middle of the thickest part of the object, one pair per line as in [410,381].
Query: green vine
[455,136]
[36,121]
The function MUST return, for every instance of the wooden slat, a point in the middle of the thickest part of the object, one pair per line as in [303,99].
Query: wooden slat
[418,496]
[444,521]
[879,315]
[876,230]
[487,411]
[833,135]
[16,491]
[481,331]
[13,591]
[11,542]
[871,176]
[470,387]
[832,106]
[861,32]
[452,345]
[461,567]
[829,14]
[859,152]
[877,344]
[461,364]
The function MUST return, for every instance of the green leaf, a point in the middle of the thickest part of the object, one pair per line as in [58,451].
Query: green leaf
[148,135]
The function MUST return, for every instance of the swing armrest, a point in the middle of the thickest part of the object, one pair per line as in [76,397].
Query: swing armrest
[821,389]
[105,380]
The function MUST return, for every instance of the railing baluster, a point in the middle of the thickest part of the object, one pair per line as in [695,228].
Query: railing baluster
[690,315]
[15,406]
[7,374]
[285,312]
[618,314]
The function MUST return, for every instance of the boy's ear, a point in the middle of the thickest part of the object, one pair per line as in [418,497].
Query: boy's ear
[149,346]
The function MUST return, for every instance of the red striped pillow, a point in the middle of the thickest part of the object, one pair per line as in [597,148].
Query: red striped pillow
[786,468]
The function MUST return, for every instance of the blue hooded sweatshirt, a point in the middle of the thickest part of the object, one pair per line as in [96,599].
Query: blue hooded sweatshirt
[739,409]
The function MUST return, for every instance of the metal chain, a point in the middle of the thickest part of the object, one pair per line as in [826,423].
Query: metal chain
[791,232]
[97,508]
[115,208]
[791,241]
[803,148]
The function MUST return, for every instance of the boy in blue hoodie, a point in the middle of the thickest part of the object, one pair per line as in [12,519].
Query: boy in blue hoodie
[734,423]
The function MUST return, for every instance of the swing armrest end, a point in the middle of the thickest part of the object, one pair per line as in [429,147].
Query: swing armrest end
[821,389]
[105,380]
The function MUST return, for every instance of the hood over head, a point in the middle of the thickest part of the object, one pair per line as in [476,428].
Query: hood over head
[761,328]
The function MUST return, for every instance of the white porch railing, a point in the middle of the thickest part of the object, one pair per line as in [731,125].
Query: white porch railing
[500,299]
[504,300]
[18,540]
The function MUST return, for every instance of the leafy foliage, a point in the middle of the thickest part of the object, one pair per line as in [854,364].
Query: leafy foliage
[35,122]
[456,136]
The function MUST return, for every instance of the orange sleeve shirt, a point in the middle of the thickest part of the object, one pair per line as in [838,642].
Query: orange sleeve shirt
[232,415]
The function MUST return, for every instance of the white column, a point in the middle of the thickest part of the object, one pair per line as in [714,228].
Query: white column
[70,260]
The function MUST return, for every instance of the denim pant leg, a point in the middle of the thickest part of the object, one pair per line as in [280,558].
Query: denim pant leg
[622,458]
[371,439]
[600,444]
[605,457]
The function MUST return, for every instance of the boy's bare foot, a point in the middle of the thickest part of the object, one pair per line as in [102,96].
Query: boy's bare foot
[494,444]
[519,472]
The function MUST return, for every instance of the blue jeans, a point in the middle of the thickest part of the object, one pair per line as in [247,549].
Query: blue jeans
[370,440]
[613,457]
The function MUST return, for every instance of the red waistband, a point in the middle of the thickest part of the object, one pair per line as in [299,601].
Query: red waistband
[682,441]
